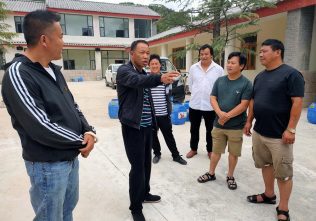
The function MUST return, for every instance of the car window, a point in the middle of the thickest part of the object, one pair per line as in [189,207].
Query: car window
[167,66]
[115,67]
[109,68]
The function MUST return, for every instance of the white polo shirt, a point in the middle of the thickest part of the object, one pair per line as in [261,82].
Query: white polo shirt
[201,85]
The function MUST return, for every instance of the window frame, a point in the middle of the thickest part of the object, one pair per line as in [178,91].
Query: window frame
[249,48]
[136,29]
[103,27]
[20,22]
[72,62]
[89,27]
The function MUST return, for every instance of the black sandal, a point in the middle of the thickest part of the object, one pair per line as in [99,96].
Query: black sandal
[231,183]
[285,213]
[206,177]
[265,199]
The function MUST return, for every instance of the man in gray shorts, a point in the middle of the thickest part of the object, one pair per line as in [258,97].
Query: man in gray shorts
[276,105]
[230,99]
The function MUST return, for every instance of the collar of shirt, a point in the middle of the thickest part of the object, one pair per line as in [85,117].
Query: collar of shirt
[209,67]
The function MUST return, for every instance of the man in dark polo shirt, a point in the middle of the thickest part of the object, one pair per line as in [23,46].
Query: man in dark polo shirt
[230,99]
[276,105]
[137,118]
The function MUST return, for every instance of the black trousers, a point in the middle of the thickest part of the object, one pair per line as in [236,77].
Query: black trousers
[138,149]
[164,124]
[195,119]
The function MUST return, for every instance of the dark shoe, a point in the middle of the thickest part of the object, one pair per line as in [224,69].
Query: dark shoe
[156,158]
[138,216]
[206,177]
[284,213]
[265,199]
[180,160]
[231,183]
[191,153]
[152,198]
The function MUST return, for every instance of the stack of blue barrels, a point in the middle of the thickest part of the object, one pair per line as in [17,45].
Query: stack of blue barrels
[311,113]
[113,108]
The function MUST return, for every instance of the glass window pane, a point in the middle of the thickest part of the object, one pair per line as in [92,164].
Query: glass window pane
[90,21]
[77,25]
[115,27]
[142,28]
[101,21]
[78,59]
[18,24]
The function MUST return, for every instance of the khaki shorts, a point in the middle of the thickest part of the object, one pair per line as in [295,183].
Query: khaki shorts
[223,136]
[270,151]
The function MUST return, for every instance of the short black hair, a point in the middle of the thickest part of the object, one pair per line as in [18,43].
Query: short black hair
[203,47]
[241,56]
[36,23]
[135,43]
[154,56]
[275,45]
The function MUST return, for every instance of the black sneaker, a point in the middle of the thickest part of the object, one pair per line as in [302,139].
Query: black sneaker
[152,198]
[138,216]
[180,160]
[156,158]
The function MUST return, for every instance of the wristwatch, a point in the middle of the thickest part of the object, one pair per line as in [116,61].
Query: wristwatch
[291,130]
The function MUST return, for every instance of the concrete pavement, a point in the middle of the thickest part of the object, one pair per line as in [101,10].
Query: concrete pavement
[104,175]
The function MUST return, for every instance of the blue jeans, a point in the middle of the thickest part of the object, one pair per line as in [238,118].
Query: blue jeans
[54,189]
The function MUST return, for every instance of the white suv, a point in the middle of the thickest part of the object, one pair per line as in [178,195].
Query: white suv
[110,75]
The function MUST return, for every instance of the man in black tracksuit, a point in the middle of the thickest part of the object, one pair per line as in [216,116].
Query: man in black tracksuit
[52,129]
[137,117]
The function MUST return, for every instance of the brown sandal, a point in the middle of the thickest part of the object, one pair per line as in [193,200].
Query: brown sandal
[231,183]
[265,199]
[285,213]
[206,177]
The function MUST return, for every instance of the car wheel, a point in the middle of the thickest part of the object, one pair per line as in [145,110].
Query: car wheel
[106,82]
[112,84]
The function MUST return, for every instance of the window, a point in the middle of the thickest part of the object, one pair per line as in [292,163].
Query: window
[78,59]
[2,60]
[18,20]
[77,25]
[112,57]
[114,27]
[249,47]
[179,57]
[142,28]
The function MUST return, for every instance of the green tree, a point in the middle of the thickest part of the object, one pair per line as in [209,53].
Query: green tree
[216,17]
[5,35]
[169,18]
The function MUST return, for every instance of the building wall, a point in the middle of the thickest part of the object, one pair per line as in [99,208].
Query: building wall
[269,27]
[79,43]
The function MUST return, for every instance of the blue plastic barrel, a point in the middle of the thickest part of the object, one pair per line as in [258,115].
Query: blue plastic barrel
[311,113]
[113,108]
[179,114]
[186,105]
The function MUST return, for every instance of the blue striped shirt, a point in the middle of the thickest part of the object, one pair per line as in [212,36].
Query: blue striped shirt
[146,119]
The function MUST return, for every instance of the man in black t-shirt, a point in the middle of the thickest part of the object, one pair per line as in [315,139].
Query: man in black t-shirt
[276,105]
